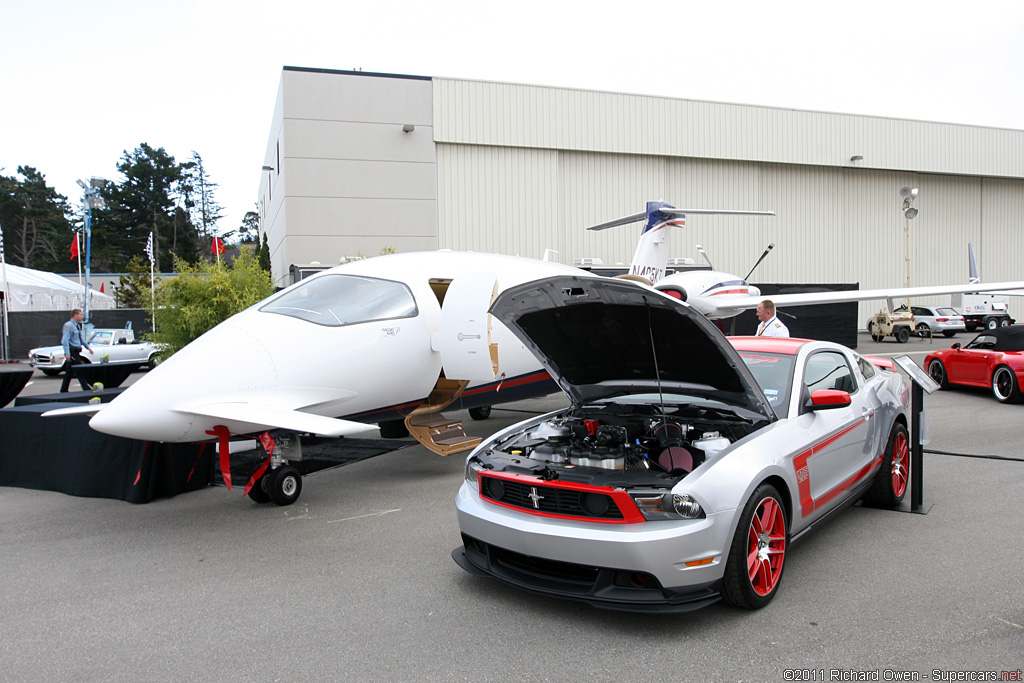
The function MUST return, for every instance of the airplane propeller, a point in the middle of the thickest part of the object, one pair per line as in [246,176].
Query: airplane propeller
[770,247]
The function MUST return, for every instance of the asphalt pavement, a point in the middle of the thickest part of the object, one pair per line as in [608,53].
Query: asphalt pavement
[355,582]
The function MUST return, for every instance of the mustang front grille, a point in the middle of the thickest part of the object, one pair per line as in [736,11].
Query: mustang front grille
[550,499]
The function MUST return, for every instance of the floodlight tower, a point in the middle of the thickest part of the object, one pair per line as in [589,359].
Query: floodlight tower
[908,195]
[91,198]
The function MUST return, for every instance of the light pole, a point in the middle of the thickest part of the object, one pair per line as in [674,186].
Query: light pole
[908,194]
[90,198]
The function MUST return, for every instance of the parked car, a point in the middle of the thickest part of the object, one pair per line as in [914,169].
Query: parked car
[116,346]
[935,320]
[995,358]
[687,462]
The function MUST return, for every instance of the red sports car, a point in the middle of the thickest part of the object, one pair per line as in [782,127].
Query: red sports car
[995,358]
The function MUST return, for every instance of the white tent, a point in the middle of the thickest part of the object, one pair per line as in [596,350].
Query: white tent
[34,290]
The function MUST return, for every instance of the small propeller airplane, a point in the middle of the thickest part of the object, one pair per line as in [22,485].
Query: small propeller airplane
[392,340]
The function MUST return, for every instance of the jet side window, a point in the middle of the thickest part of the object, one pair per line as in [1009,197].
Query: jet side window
[828,370]
[337,300]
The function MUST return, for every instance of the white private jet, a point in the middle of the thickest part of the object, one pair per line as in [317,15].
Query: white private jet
[391,338]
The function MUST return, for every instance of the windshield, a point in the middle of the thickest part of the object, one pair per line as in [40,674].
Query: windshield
[774,373]
[101,338]
[336,300]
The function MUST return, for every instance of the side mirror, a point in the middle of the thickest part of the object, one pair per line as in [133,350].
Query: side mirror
[955,346]
[828,399]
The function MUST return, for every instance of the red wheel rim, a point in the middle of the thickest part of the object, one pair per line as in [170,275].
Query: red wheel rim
[900,462]
[767,546]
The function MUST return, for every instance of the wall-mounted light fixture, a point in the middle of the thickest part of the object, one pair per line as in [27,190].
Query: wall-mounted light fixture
[408,128]
[857,157]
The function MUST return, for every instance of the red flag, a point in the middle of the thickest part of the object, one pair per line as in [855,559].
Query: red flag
[218,246]
[101,289]
[74,248]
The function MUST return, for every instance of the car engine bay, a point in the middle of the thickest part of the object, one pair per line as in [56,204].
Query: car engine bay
[635,444]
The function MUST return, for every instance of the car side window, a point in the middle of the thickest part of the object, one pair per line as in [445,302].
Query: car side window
[866,368]
[982,341]
[828,370]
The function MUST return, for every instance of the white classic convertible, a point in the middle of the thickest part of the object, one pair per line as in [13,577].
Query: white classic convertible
[116,346]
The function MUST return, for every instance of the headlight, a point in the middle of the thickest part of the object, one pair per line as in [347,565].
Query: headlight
[655,505]
[472,467]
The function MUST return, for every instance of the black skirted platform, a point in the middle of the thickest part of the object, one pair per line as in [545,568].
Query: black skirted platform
[110,375]
[13,379]
[63,454]
[78,397]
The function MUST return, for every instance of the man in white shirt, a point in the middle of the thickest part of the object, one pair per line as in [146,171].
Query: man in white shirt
[770,325]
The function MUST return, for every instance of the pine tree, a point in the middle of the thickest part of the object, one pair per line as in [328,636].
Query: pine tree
[264,255]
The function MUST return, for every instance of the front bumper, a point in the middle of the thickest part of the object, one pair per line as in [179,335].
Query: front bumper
[631,567]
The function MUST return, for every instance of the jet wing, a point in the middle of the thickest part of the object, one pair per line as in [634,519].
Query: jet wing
[87,409]
[808,298]
[264,416]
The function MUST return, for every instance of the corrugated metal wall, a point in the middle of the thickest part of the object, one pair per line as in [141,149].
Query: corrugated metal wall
[512,115]
[522,169]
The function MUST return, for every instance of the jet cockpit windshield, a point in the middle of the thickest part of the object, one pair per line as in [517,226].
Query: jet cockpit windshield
[336,300]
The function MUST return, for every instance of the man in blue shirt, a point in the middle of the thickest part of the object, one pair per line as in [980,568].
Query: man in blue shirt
[73,340]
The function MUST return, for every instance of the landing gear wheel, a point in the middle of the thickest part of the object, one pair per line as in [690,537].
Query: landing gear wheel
[286,485]
[891,481]
[937,371]
[923,330]
[258,493]
[1004,385]
[481,413]
[393,429]
[754,568]
[902,335]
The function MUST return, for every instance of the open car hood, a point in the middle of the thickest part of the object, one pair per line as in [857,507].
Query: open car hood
[594,336]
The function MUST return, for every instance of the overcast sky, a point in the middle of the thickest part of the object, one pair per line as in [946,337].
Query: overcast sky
[84,81]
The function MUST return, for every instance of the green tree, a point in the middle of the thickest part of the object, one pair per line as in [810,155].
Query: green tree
[135,289]
[196,191]
[202,296]
[264,256]
[35,220]
[249,231]
[145,201]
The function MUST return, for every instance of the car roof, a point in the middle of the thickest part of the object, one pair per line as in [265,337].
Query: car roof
[1007,338]
[784,345]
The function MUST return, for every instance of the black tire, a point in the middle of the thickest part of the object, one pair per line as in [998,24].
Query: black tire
[739,589]
[259,493]
[1004,322]
[902,334]
[154,360]
[286,485]
[50,372]
[937,371]
[393,429]
[949,333]
[893,476]
[990,323]
[871,330]
[923,330]
[481,413]
[1005,387]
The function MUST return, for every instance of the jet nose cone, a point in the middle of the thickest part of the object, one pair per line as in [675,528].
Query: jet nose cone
[753,291]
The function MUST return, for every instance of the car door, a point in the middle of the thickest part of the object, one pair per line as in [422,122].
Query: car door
[969,365]
[837,452]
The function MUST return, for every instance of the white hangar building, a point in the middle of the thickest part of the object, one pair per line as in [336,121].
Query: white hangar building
[358,162]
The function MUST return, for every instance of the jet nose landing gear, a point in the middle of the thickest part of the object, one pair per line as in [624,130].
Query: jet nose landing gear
[282,482]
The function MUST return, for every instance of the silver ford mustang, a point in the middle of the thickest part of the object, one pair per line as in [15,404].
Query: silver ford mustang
[688,461]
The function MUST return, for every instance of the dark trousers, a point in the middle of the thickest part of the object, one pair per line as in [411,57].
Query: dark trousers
[75,359]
